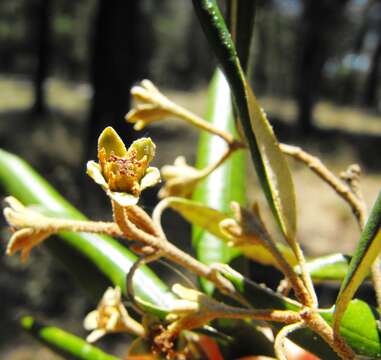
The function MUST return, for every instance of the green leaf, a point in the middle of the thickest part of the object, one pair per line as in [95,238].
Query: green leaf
[209,219]
[79,250]
[359,326]
[225,184]
[271,165]
[368,249]
[63,343]
[200,215]
[330,267]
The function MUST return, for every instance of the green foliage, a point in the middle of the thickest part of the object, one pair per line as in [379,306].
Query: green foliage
[229,177]
[367,251]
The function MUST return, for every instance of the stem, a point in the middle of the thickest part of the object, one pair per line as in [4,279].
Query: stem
[139,217]
[54,225]
[333,339]
[198,319]
[313,300]
[352,195]
[209,169]
[314,163]
[282,336]
[297,284]
[173,253]
[143,260]
[200,123]
[157,214]
[284,287]
[283,316]
[376,280]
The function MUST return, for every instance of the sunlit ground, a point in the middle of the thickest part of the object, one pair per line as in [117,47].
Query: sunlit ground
[328,115]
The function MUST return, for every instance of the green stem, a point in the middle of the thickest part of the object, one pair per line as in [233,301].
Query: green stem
[63,343]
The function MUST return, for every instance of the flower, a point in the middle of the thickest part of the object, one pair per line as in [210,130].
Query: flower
[247,226]
[192,310]
[153,105]
[110,317]
[123,173]
[24,238]
[181,179]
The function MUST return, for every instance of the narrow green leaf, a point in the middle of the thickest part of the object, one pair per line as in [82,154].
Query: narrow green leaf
[271,165]
[63,343]
[359,326]
[103,253]
[225,184]
[209,219]
[200,215]
[368,249]
[330,267]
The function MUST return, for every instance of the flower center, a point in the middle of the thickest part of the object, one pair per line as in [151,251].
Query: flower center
[123,173]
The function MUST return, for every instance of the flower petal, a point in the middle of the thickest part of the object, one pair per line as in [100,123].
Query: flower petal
[151,178]
[143,147]
[93,169]
[25,240]
[91,320]
[148,84]
[141,94]
[111,142]
[19,240]
[95,335]
[145,114]
[13,203]
[112,296]
[111,325]
[123,198]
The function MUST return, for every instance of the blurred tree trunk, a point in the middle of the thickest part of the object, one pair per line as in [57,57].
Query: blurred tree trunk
[42,24]
[118,59]
[260,73]
[319,21]
[115,66]
[372,81]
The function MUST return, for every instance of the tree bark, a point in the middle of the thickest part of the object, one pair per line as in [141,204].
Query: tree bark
[372,81]
[42,41]
[115,66]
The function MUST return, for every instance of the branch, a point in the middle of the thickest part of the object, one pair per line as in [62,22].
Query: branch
[314,163]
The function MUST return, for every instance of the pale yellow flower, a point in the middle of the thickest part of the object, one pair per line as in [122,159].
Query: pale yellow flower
[111,317]
[123,173]
[24,238]
[152,105]
[192,310]
[246,227]
[180,179]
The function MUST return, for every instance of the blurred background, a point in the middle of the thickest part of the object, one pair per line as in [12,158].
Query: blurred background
[65,73]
